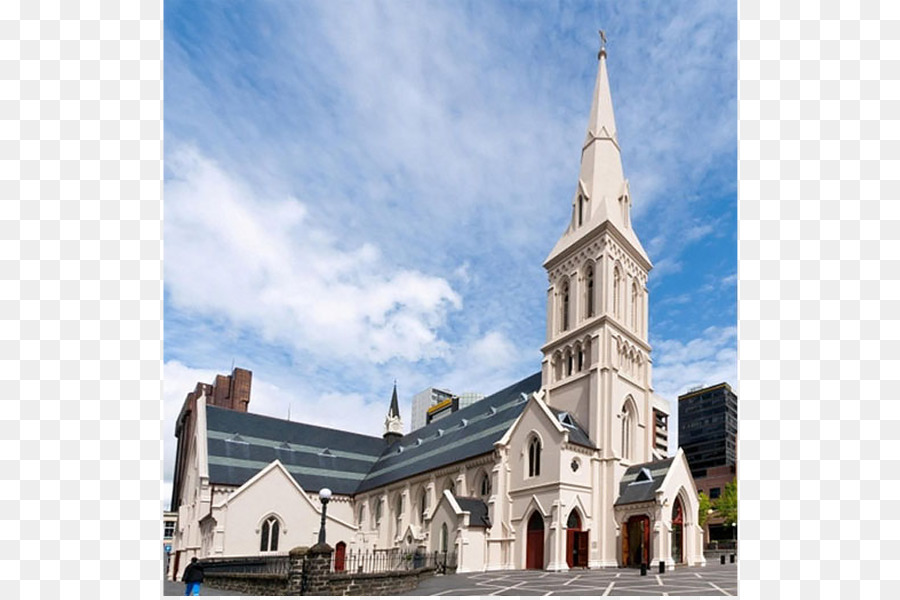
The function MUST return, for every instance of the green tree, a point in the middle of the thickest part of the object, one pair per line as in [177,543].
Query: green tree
[726,505]
[703,511]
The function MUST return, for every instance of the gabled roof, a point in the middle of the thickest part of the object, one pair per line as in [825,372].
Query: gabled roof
[640,482]
[577,434]
[242,444]
[468,432]
[477,509]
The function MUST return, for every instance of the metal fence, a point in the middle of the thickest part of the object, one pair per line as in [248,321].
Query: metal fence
[391,560]
[269,564]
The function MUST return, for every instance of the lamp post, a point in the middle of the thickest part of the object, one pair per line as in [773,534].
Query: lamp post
[324,496]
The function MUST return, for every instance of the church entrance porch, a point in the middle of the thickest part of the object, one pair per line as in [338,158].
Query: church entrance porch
[534,545]
[636,541]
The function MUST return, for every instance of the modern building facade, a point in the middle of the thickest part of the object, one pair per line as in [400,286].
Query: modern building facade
[707,432]
[707,428]
[433,403]
[564,468]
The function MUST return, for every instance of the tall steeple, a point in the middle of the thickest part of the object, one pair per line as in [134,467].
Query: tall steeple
[393,425]
[597,364]
[601,193]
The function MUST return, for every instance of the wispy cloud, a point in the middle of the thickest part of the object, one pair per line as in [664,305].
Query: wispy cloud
[357,193]
[261,266]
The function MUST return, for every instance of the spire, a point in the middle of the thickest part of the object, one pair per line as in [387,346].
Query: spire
[393,425]
[395,408]
[601,193]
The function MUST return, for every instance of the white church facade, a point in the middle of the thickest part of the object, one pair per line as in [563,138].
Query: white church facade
[566,468]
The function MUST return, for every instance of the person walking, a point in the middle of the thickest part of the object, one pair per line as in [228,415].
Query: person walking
[193,577]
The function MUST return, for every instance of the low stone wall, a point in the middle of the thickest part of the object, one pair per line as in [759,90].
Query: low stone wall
[310,575]
[374,584]
[251,584]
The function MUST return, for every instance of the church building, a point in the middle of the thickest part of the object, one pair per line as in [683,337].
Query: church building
[566,468]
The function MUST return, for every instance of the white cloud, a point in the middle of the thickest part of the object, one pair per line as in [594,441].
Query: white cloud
[703,361]
[262,266]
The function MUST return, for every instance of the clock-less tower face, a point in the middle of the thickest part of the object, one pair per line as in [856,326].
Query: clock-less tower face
[596,361]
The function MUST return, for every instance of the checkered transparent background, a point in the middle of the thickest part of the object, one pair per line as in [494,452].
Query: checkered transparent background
[81,299]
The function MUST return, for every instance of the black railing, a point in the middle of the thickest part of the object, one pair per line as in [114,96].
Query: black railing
[268,564]
[391,560]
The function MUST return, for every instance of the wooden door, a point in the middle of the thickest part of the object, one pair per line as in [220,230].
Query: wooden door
[340,551]
[534,544]
[571,547]
[581,546]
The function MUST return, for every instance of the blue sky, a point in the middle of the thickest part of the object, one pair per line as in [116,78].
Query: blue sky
[357,192]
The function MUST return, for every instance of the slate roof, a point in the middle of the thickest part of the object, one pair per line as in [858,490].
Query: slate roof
[463,434]
[241,444]
[477,508]
[640,482]
[577,434]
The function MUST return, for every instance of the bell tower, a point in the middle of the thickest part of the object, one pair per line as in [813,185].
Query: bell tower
[596,362]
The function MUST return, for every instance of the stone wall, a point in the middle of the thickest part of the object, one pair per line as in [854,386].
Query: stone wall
[310,575]
[251,584]
[373,584]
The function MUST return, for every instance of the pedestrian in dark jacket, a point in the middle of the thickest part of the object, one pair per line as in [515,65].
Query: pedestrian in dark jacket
[193,577]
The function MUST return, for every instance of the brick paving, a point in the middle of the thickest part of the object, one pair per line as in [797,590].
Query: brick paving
[711,580]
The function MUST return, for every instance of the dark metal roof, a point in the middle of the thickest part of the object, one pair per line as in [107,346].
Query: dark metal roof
[466,433]
[577,434]
[478,511]
[241,444]
[640,482]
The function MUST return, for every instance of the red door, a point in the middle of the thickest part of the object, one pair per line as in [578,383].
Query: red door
[534,545]
[340,551]
[573,538]
[581,549]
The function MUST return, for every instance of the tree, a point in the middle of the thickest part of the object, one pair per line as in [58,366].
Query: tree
[726,505]
[703,511]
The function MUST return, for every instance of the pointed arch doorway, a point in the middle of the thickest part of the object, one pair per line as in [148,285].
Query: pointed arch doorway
[636,541]
[576,541]
[678,532]
[534,544]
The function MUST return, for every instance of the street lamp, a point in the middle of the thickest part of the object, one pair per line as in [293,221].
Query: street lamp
[324,496]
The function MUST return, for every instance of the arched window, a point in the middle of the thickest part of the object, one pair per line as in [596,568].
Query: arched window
[580,209]
[589,287]
[564,317]
[399,516]
[423,506]
[485,485]
[579,354]
[362,515]
[558,365]
[635,296]
[444,538]
[574,521]
[534,457]
[268,537]
[568,361]
[379,507]
[628,422]
[617,285]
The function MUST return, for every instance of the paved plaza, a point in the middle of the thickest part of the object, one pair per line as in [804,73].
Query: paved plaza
[711,580]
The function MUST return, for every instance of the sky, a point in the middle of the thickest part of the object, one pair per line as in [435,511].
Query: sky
[362,192]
